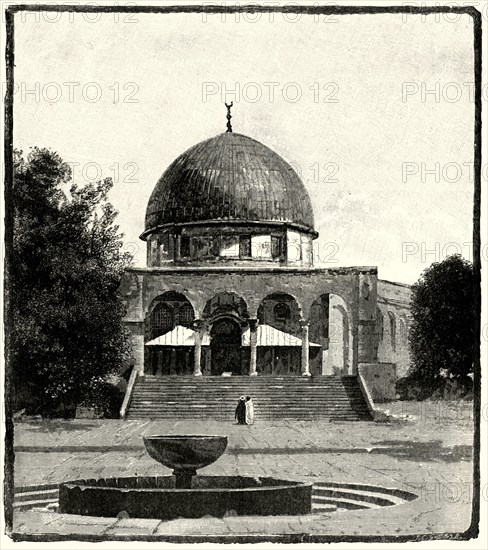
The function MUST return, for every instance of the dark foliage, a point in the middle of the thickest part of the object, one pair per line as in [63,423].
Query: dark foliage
[68,337]
[442,389]
[441,336]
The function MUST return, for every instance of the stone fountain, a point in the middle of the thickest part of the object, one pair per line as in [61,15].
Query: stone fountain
[185,494]
[185,454]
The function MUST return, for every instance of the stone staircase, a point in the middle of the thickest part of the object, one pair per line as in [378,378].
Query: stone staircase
[188,397]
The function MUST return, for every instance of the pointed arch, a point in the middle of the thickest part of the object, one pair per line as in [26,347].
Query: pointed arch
[393,331]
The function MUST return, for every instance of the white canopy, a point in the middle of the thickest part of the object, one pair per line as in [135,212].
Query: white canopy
[270,336]
[180,336]
[267,335]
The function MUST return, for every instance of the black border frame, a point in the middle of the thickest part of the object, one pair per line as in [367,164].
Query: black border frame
[10,11]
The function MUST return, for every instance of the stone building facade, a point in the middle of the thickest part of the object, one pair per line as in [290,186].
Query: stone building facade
[393,321]
[229,232]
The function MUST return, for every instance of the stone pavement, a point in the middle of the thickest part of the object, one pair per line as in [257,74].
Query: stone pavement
[430,456]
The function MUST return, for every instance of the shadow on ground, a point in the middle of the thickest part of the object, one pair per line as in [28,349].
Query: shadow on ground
[58,426]
[423,451]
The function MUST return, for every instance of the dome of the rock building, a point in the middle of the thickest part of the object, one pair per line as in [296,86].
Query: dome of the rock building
[229,178]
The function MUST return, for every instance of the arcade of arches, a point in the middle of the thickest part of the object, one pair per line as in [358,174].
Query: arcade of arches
[224,322]
[249,330]
[343,327]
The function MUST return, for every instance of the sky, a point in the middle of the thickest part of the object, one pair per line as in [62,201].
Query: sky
[375,112]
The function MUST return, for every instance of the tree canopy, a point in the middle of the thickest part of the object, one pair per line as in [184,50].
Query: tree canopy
[443,323]
[67,263]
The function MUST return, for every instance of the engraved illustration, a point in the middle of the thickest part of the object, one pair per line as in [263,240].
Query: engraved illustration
[242,273]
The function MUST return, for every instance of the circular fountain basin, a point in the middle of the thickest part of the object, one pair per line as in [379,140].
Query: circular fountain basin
[157,497]
[185,452]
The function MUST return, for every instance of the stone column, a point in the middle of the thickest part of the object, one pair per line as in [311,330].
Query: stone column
[305,348]
[253,341]
[199,332]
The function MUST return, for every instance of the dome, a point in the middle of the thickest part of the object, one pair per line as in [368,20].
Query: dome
[229,178]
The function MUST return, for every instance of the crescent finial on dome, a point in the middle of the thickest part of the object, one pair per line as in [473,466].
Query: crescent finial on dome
[229,116]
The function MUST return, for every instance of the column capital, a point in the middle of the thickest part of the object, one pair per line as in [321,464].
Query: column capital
[253,324]
[304,323]
[199,325]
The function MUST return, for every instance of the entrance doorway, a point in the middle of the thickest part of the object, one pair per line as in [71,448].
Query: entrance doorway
[225,347]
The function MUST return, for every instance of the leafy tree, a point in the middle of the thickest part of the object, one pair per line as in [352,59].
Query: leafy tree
[443,327]
[68,336]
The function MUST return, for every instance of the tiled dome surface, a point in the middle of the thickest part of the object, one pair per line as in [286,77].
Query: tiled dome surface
[229,177]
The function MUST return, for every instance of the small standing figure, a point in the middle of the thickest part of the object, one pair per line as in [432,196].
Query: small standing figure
[249,410]
[241,410]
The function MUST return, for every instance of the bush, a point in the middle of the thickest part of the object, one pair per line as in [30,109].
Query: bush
[412,388]
[106,397]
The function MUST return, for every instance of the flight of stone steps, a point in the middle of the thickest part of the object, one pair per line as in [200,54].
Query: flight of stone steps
[330,497]
[187,397]
[326,497]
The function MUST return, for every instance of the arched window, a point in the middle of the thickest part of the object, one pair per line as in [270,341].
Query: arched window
[281,312]
[380,328]
[403,331]
[366,290]
[162,319]
[392,330]
[186,315]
